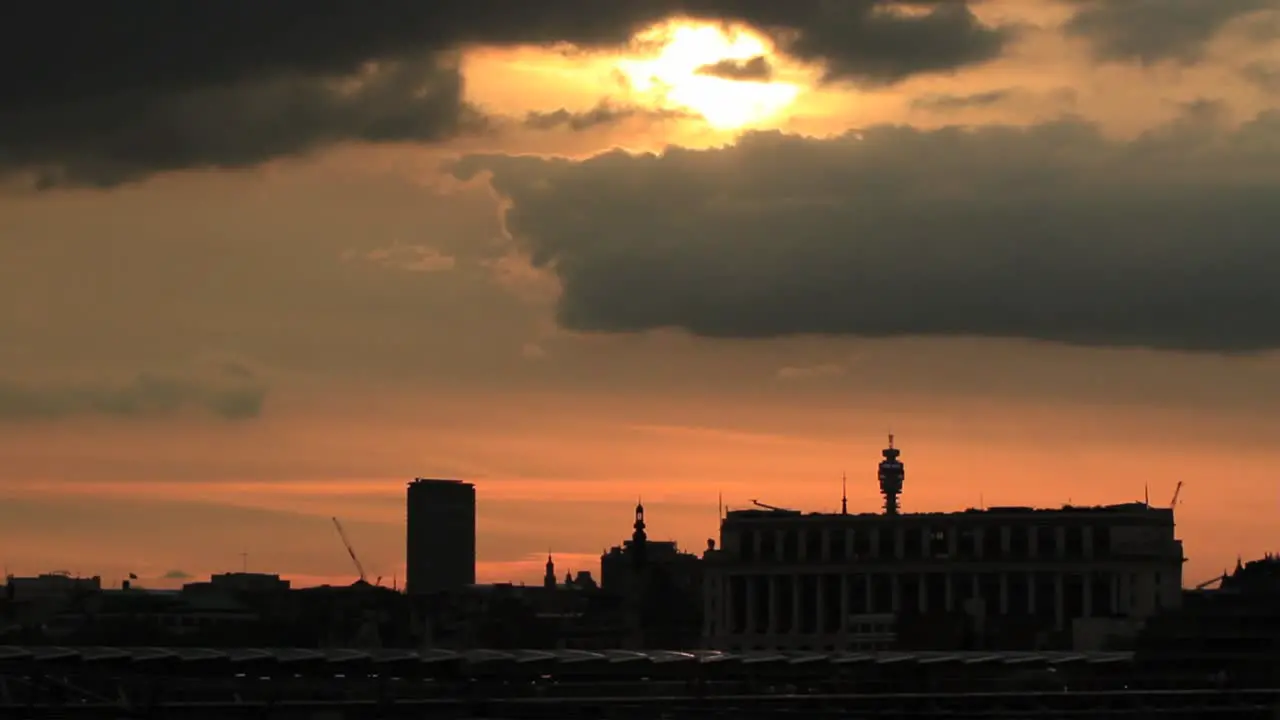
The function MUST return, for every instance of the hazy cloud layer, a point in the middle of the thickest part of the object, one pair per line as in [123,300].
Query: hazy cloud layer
[1052,232]
[121,93]
[236,396]
[1151,31]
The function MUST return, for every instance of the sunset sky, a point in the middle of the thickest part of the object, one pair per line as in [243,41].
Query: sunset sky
[263,263]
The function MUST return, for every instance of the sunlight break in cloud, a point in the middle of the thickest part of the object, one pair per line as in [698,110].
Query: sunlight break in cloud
[674,75]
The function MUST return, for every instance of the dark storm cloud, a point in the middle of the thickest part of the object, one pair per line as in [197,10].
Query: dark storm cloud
[1053,232]
[107,141]
[757,68]
[99,93]
[1151,31]
[951,103]
[235,398]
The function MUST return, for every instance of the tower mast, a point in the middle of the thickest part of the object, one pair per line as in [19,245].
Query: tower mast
[892,476]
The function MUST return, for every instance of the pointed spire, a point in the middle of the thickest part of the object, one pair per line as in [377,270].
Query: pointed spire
[844,493]
[549,578]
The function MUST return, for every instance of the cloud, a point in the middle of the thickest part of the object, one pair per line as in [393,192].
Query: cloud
[1152,31]
[1266,76]
[811,372]
[236,396]
[414,258]
[601,115]
[880,43]
[177,575]
[1051,232]
[757,68]
[945,102]
[120,94]
[102,141]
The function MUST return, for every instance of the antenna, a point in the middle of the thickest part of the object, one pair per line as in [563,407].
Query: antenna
[1146,494]
[844,493]
[244,562]
[720,506]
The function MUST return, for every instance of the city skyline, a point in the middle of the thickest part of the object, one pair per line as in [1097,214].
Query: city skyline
[570,563]
[623,252]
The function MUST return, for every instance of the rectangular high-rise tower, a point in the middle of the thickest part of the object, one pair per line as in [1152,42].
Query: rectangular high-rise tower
[440,552]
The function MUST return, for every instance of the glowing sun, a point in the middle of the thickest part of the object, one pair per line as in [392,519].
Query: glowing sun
[671,77]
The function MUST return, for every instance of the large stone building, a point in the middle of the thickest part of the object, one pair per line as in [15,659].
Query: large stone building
[1003,577]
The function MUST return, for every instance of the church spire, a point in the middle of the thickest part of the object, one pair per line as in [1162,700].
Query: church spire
[639,538]
[549,579]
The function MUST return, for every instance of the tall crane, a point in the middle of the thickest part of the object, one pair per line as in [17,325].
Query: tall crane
[350,550]
[1173,504]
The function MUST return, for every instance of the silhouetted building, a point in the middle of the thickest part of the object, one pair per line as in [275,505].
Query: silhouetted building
[241,582]
[440,551]
[660,586]
[49,585]
[1228,635]
[1000,578]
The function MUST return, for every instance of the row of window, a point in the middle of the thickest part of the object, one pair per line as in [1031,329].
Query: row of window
[809,604]
[886,542]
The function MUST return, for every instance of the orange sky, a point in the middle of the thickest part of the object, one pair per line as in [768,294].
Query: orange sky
[398,332]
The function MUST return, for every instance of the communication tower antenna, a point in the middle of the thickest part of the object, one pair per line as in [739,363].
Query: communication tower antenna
[892,475]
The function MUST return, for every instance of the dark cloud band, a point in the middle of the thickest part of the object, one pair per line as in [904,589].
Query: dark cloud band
[99,94]
[1151,31]
[1053,232]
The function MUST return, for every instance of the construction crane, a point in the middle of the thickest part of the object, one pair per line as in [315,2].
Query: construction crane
[1211,581]
[774,508]
[350,550]
[1176,491]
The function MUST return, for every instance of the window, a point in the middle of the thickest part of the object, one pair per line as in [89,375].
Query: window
[939,543]
[813,545]
[912,543]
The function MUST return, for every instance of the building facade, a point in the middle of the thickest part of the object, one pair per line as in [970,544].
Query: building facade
[440,551]
[999,578]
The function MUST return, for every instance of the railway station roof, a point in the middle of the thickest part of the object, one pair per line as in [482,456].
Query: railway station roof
[570,660]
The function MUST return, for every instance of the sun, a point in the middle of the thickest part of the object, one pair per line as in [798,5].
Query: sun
[670,78]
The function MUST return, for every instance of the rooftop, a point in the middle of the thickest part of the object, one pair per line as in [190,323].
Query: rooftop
[1134,508]
[440,481]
